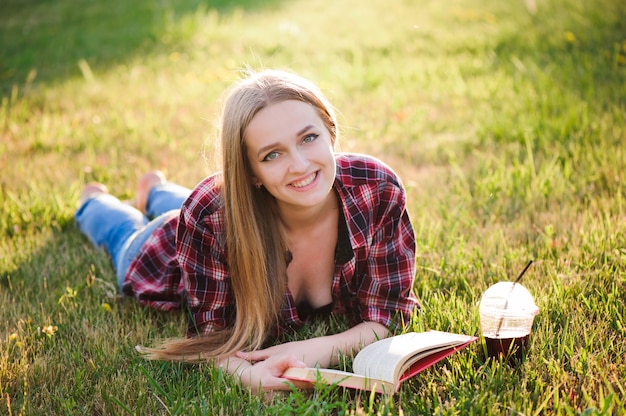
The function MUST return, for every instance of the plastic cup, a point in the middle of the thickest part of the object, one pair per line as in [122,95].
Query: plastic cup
[507,311]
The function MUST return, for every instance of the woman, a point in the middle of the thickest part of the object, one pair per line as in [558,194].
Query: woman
[287,231]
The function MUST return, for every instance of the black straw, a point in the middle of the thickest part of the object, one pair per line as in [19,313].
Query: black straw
[506,304]
[523,271]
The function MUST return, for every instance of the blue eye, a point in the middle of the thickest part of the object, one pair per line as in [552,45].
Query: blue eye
[309,138]
[270,156]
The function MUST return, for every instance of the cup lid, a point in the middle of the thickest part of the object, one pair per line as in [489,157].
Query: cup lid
[508,298]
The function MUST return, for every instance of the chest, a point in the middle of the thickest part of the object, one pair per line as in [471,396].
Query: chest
[310,272]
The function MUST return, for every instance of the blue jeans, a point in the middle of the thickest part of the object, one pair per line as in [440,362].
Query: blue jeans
[121,229]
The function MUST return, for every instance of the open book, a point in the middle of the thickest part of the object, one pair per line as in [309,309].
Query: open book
[383,365]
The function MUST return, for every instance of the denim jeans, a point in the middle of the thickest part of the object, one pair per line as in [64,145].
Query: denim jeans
[122,229]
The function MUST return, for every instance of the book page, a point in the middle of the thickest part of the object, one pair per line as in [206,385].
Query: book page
[388,358]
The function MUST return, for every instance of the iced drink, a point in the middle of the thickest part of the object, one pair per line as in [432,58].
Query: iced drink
[507,311]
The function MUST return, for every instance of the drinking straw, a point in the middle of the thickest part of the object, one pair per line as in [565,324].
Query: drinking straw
[519,277]
[506,304]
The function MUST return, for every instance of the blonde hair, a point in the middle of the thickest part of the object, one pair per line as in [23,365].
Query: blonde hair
[255,243]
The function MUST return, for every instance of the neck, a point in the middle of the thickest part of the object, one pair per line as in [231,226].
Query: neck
[298,220]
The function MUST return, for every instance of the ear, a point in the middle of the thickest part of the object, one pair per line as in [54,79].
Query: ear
[257,183]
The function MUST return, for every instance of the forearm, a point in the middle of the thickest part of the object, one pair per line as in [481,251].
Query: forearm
[264,368]
[325,351]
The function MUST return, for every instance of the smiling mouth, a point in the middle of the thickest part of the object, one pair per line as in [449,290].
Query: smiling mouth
[304,182]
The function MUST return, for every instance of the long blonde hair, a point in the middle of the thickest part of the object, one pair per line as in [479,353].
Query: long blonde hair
[254,239]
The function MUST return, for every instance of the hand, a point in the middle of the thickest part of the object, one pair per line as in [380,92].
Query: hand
[312,352]
[266,375]
[270,363]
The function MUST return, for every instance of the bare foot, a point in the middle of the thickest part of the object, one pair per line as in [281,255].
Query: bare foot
[145,184]
[92,189]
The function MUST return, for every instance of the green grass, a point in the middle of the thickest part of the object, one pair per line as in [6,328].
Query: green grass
[507,127]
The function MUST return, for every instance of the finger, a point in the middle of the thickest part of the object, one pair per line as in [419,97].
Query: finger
[289,361]
[294,362]
[251,355]
[241,354]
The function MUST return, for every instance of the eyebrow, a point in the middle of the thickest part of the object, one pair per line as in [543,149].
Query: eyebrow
[275,144]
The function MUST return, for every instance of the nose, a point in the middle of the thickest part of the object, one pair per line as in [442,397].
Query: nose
[299,162]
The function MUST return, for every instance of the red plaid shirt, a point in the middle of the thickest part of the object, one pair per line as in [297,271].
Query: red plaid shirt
[375,254]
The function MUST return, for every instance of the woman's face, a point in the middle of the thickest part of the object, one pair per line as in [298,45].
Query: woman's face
[291,154]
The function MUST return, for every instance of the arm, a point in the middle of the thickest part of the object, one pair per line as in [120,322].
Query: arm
[378,282]
[326,350]
[385,289]
[205,274]
[265,367]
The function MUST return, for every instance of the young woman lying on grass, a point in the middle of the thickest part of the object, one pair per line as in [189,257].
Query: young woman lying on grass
[287,231]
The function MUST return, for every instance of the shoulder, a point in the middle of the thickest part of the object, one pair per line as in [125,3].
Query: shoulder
[205,199]
[355,169]
[372,196]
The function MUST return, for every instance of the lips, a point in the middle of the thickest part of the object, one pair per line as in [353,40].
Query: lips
[304,182]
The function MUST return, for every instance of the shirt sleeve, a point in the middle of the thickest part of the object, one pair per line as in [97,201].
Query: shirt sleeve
[386,291]
[153,277]
[201,253]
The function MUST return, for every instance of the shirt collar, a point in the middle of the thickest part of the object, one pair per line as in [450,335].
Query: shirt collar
[353,217]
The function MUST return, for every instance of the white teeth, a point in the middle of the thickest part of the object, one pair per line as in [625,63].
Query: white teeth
[304,182]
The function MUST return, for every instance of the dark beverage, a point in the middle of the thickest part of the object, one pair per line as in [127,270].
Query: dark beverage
[512,349]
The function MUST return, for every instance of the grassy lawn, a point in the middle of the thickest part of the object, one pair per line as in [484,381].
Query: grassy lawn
[506,123]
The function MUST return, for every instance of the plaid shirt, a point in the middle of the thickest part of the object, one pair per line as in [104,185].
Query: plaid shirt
[375,255]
